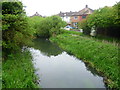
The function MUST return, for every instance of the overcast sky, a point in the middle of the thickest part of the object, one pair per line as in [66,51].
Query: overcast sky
[51,7]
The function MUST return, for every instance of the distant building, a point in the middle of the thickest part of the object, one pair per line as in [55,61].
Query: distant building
[73,18]
[80,15]
[36,14]
[66,16]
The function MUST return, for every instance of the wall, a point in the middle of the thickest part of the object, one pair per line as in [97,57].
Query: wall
[67,19]
[79,18]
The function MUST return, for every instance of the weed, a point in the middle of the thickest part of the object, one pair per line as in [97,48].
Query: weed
[103,56]
[18,71]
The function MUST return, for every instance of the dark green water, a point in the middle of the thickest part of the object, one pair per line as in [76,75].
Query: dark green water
[57,69]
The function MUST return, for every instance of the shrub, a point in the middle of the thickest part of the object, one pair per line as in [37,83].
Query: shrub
[50,26]
[16,31]
[105,20]
[84,25]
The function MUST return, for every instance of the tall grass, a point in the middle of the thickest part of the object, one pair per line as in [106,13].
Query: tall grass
[72,32]
[18,71]
[0,64]
[100,55]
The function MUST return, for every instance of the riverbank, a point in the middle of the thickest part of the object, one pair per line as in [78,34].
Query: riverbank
[18,71]
[100,55]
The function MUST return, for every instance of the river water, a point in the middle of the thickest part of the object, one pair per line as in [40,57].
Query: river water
[58,69]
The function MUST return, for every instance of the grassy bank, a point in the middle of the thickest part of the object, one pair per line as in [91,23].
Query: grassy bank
[101,55]
[18,71]
[0,68]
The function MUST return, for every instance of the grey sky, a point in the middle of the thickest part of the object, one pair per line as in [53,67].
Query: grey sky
[51,7]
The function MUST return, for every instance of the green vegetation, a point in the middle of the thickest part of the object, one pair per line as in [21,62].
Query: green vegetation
[34,23]
[0,67]
[0,46]
[103,56]
[18,71]
[46,27]
[72,32]
[17,32]
[106,21]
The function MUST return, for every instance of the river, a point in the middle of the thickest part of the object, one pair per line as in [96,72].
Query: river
[58,69]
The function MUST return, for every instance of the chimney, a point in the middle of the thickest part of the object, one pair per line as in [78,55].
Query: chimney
[36,13]
[86,6]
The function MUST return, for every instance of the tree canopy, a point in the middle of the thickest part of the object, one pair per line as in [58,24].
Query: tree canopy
[106,21]
[15,27]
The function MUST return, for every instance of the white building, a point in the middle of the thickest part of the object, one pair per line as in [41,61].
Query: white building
[66,16]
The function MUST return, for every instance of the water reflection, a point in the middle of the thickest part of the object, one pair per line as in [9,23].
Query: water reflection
[88,67]
[58,69]
[46,47]
[91,69]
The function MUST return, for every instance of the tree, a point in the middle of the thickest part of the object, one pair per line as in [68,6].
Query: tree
[35,22]
[116,14]
[50,26]
[84,25]
[16,31]
[106,21]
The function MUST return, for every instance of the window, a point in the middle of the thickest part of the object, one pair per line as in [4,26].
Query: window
[83,17]
[75,17]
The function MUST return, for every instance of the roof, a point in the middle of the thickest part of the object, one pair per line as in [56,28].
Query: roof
[84,11]
[63,14]
[36,14]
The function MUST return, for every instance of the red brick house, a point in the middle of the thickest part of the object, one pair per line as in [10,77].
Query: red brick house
[80,15]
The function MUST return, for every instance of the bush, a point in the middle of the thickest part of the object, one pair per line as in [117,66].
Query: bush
[35,22]
[105,20]
[50,26]
[84,25]
[16,31]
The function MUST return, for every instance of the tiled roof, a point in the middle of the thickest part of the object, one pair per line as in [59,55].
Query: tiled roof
[36,14]
[86,10]
[63,14]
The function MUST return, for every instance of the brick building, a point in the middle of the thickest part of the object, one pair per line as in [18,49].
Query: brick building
[80,15]
[73,18]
